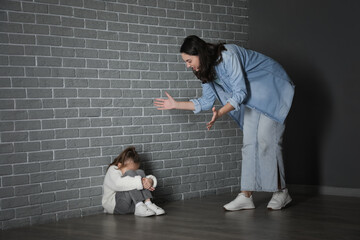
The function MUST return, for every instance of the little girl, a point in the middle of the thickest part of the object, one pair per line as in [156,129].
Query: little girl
[127,189]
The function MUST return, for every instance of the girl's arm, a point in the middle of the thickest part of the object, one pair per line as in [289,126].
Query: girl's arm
[154,180]
[116,182]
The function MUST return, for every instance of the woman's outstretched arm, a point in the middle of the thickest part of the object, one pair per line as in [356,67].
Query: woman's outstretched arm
[218,113]
[170,103]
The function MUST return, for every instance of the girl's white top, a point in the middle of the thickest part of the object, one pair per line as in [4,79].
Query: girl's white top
[115,182]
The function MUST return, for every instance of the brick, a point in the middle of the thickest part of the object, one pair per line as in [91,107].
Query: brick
[103,141]
[12,93]
[51,166]
[11,27]
[73,42]
[67,174]
[76,82]
[48,19]
[27,125]
[27,190]
[97,181]
[78,183]
[6,126]
[77,143]
[42,177]
[14,202]
[100,161]
[27,147]
[63,52]
[90,63]
[5,170]
[40,114]
[41,156]
[7,214]
[61,31]
[107,35]
[88,172]
[89,192]
[79,203]
[51,82]
[66,113]
[101,122]
[93,112]
[60,10]
[112,112]
[42,198]
[52,124]
[6,192]
[66,195]
[34,7]
[66,154]
[13,158]
[48,187]
[77,123]
[15,180]
[6,148]
[62,72]
[21,39]
[28,104]
[55,207]
[14,137]
[78,163]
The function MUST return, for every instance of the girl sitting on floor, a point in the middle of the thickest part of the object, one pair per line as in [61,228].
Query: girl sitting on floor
[127,189]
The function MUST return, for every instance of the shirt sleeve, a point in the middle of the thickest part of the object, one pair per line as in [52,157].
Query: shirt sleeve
[234,69]
[119,184]
[206,101]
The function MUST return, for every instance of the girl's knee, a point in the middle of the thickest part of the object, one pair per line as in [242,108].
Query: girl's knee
[131,173]
[140,172]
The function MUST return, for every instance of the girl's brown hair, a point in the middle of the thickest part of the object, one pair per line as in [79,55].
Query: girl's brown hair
[128,153]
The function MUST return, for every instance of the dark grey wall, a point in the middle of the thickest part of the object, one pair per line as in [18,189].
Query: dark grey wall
[318,44]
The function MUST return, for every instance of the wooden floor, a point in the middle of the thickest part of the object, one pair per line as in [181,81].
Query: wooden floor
[307,217]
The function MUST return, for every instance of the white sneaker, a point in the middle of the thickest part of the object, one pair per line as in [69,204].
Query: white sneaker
[279,200]
[239,203]
[143,211]
[158,210]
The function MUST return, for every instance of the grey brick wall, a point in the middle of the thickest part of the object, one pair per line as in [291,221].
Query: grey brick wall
[77,82]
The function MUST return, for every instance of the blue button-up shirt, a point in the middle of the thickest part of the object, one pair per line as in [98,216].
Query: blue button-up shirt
[251,79]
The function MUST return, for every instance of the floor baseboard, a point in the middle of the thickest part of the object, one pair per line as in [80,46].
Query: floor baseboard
[324,190]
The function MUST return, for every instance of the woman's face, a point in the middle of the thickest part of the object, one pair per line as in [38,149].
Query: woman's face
[191,61]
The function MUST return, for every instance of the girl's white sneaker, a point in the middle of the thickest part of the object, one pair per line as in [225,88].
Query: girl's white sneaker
[158,210]
[143,211]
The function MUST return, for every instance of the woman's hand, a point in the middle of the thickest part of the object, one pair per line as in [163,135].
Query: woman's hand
[213,119]
[165,104]
[148,183]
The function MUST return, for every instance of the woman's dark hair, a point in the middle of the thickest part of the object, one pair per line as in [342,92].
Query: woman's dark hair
[209,56]
[128,153]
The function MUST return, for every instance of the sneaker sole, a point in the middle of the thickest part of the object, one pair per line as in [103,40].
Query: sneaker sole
[233,210]
[160,214]
[145,215]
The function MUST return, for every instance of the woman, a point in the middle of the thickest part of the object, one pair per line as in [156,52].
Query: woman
[257,93]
